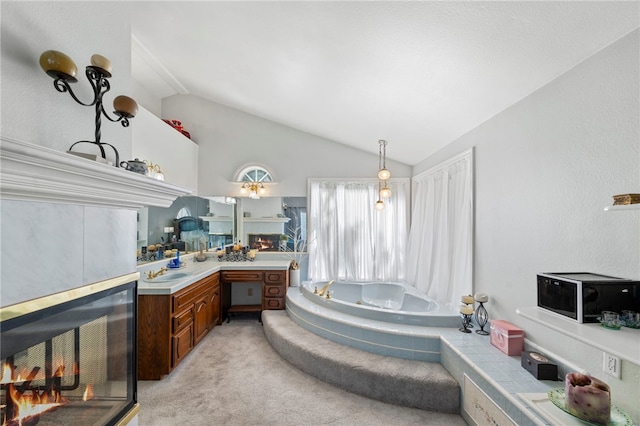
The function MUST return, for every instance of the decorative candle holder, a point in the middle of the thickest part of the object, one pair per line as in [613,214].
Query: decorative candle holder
[243,254]
[466,322]
[482,317]
[63,70]
[467,311]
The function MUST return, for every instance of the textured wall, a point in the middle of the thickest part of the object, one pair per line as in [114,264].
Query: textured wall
[47,248]
[229,139]
[545,169]
[32,110]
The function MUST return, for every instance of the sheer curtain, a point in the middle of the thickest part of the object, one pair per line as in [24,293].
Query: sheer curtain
[349,239]
[440,246]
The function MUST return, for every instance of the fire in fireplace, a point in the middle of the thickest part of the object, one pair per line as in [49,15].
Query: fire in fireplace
[264,242]
[70,358]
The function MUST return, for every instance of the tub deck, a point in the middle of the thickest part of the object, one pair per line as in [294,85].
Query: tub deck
[407,341]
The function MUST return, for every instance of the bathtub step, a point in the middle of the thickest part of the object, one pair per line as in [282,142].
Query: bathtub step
[417,384]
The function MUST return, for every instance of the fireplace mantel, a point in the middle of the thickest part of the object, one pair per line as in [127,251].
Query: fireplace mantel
[30,172]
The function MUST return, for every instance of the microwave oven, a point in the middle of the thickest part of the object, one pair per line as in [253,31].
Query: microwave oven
[582,296]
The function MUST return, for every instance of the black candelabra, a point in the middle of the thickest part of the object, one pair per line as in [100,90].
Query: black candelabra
[467,311]
[481,313]
[63,70]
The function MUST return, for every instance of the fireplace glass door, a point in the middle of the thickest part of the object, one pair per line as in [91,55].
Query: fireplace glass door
[71,362]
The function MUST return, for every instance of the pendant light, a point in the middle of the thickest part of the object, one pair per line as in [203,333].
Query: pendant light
[383,175]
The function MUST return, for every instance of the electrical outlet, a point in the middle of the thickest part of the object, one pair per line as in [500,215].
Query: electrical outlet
[249,291]
[611,365]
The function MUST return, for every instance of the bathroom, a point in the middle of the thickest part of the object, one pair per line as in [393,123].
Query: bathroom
[538,204]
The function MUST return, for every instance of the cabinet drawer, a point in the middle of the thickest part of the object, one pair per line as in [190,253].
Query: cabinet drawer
[273,303]
[242,276]
[274,290]
[274,277]
[182,320]
[184,299]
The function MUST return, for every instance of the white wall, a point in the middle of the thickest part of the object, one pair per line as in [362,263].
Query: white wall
[32,109]
[545,169]
[46,248]
[155,141]
[229,139]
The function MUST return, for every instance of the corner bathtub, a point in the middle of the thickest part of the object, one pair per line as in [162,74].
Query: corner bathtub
[394,302]
[387,318]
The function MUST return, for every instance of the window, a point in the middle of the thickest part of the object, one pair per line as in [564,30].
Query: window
[352,240]
[254,174]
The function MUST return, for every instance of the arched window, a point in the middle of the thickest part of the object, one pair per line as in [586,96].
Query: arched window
[254,174]
[183,212]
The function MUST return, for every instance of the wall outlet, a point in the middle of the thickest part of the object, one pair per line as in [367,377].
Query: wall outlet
[611,365]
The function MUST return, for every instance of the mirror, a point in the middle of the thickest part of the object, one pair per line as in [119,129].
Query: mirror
[269,223]
[216,221]
[195,220]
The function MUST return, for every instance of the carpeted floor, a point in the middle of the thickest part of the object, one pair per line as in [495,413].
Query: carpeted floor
[234,377]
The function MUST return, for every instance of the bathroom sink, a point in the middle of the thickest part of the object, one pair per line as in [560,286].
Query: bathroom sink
[167,277]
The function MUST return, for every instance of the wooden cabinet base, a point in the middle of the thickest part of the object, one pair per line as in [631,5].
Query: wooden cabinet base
[274,290]
[169,326]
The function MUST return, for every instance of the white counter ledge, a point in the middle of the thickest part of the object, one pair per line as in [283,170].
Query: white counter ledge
[197,271]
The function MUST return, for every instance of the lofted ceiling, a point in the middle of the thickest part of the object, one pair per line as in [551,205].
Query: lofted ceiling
[419,74]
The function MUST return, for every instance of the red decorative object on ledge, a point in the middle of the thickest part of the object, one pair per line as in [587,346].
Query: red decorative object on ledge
[177,124]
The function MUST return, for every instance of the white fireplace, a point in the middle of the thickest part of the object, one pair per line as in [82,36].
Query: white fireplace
[68,223]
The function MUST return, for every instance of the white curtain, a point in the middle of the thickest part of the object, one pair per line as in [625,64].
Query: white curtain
[349,239]
[440,243]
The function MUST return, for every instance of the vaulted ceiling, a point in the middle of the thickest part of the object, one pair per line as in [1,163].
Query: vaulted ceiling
[418,74]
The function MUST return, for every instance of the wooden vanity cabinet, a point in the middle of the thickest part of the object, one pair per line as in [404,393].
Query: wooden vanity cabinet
[169,326]
[274,290]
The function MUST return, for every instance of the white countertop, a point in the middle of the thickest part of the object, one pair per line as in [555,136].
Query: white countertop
[623,343]
[197,271]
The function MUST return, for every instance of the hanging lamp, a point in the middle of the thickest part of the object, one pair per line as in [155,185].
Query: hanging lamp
[383,175]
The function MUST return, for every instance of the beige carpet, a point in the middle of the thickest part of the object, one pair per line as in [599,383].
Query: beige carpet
[234,377]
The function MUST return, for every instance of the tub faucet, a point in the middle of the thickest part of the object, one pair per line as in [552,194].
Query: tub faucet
[325,288]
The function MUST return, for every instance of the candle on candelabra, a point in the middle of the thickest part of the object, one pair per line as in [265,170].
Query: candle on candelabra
[101,62]
[481,297]
[468,300]
[58,65]
[125,106]
[466,310]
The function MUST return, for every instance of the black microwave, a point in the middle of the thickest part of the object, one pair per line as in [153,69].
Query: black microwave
[582,296]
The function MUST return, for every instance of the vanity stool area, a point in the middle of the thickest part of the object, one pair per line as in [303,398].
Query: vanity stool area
[174,315]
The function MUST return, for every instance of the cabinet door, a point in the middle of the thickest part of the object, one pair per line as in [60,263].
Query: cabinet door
[201,316]
[214,302]
[182,343]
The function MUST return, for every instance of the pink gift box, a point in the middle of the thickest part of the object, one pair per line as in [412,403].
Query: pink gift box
[506,337]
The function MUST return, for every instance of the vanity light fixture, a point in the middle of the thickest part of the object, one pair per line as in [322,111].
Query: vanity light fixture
[383,175]
[255,189]
[63,70]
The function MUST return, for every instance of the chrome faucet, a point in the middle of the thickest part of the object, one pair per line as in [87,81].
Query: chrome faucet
[325,288]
